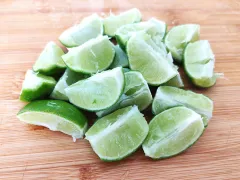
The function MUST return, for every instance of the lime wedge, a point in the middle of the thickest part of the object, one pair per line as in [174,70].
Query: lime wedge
[155,28]
[167,97]
[93,56]
[113,22]
[119,134]
[36,86]
[98,92]
[172,132]
[67,79]
[54,114]
[199,63]
[50,61]
[89,28]
[136,92]
[144,56]
[120,59]
[179,36]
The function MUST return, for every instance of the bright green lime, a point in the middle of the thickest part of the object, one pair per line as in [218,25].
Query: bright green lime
[119,134]
[175,81]
[155,28]
[89,28]
[98,92]
[36,86]
[144,56]
[50,61]
[136,92]
[172,132]
[167,97]
[113,22]
[93,56]
[67,79]
[120,59]
[179,36]
[199,63]
[56,115]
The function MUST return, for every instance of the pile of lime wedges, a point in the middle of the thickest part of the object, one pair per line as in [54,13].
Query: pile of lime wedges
[114,81]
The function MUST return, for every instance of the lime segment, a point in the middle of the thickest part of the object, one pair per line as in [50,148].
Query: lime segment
[98,92]
[120,59]
[179,36]
[119,134]
[91,57]
[172,132]
[199,63]
[56,115]
[50,61]
[36,86]
[89,28]
[68,78]
[136,92]
[144,56]
[167,97]
[113,22]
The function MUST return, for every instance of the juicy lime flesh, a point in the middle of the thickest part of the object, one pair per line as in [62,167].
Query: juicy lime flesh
[98,92]
[167,97]
[144,57]
[56,115]
[199,63]
[69,77]
[179,36]
[90,27]
[36,86]
[120,59]
[172,132]
[175,81]
[136,92]
[112,23]
[93,56]
[119,134]
[50,60]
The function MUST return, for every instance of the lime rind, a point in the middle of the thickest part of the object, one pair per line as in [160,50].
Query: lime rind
[93,56]
[179,36]
[50,61]
[172,132]
[199,63]
[99,91]
[89,28]
[136,92]
[119,134]
[36,86]
[54,114]
[120,59]
[168,97]
[113,22]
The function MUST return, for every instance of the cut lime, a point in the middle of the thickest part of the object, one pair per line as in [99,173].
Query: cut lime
[155,28]
[119,134]
[175,81]
[136,92]
[98,92]
[179,36]
[167,97]
[93,56]
[67,79]
[144,57]
[89,28]
[36,86]
[113,22]
[50,61]
[172,132]
[199,63]
[56,115]
[120,59]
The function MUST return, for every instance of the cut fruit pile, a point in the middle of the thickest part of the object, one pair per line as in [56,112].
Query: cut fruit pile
[115,83]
